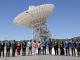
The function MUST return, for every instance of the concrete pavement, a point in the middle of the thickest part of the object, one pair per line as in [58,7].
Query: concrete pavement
[41,57]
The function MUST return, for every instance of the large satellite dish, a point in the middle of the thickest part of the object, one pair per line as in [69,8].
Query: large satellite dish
[35,17]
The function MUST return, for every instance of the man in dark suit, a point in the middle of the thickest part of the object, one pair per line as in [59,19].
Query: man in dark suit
[24,48]
[56,47]
[8,46]
[50,45]
[0,48]
[3,46]
[13,48]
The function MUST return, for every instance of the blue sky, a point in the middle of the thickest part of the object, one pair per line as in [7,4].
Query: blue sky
[64,22]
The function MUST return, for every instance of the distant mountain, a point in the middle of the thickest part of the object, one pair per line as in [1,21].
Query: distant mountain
[76,38]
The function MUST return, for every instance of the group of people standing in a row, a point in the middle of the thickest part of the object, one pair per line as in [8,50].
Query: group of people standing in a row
[14,46]
[67,48]
[60,47]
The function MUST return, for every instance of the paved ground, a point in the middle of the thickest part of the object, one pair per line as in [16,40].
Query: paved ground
[41,57]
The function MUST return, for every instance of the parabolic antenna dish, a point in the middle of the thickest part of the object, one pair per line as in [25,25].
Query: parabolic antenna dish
[34,16]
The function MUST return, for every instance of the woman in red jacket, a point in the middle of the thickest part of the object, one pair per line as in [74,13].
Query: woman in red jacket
[18,47]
